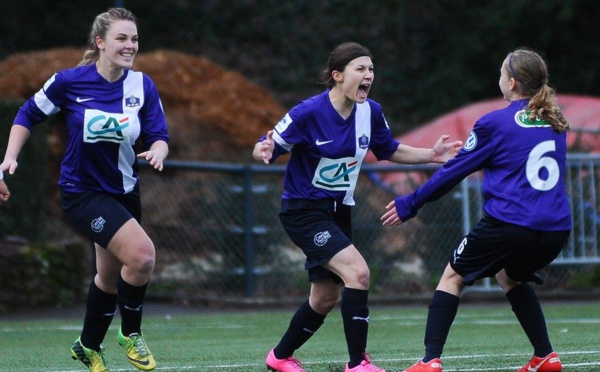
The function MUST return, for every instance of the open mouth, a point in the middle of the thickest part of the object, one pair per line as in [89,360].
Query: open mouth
[363,90]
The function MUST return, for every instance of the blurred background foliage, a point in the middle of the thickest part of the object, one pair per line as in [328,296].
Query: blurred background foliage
[430,56]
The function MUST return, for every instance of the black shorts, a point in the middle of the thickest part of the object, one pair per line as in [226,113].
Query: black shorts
[99,215]
[321,228]
[493,245]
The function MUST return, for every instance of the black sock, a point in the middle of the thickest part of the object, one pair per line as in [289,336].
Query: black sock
[355,315]
[526,306]
[131,300]
[303,325]
[442,311]
[100,311]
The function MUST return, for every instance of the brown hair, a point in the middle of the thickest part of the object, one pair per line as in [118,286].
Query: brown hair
[529,69]
[339,58]
[99,28]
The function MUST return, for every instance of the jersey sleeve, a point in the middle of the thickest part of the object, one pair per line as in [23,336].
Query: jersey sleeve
[44,103]
[287,133]
[383,144]
[474,155]
[152,116]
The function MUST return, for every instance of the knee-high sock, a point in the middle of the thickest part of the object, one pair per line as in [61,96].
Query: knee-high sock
[355,315]
[526,306]
[131,301]
[303,325]
[442,311]
[100,311]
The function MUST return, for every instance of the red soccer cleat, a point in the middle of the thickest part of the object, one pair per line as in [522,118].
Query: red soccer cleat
[434,365]
[551,363]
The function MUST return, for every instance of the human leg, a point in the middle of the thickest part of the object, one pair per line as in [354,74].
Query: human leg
[324,295]
[527,308]
[132,246]
[101,300]
[442,312]
[100,310]
[349,265]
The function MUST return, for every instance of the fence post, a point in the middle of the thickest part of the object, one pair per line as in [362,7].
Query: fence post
[248,231]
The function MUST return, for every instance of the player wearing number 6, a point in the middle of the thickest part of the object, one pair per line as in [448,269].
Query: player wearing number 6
[526,221]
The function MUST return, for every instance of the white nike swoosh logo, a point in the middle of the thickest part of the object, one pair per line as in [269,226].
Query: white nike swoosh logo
[535,369]
[79,99]
[319,143]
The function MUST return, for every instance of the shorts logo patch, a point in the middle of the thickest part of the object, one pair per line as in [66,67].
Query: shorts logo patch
[322,238]
[98,224]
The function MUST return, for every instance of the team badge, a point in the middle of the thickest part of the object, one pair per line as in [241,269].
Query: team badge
[98,224]
[321,238]
[363,142]
[471,142]
[132,101]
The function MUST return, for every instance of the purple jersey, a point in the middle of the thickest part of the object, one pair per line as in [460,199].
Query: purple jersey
[523,166]
[328,150]
[104,120]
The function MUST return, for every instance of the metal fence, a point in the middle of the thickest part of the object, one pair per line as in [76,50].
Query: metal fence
[218,237]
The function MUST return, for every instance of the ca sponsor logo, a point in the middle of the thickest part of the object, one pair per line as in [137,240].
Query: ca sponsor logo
[98,224]
[336,175]
[102,126]
[321,238]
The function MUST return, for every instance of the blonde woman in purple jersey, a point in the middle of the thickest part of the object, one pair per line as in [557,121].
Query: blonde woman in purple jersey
[108,107]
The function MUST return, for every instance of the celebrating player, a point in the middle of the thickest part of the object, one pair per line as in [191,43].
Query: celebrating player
[328,136]
[107,108]
[527,220]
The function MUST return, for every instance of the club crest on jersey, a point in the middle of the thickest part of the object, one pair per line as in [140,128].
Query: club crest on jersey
[103,126]
[98,224]
[321,238]
[132,101]
[522,119]
[363,141]
[471,142]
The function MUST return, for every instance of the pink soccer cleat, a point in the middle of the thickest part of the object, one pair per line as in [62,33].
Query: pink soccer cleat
[365,366]
[289,364]
[551,363]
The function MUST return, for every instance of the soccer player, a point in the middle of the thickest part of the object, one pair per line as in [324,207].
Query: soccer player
[328,136]
[107,108]
[527,220]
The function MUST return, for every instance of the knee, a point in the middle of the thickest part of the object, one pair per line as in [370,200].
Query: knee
[143,259]
[360,277]
[323,304]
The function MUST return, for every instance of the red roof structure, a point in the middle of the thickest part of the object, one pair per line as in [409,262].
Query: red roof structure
[582,111]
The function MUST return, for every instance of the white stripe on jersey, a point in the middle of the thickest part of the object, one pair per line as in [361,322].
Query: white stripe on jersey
[42,101]
[133,86]
[362,127]
[281,127]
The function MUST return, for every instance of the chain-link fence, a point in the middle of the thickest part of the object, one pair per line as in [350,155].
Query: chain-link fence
[218,237]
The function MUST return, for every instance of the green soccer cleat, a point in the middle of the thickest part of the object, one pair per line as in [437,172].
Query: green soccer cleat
[93,359]
[137,351]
